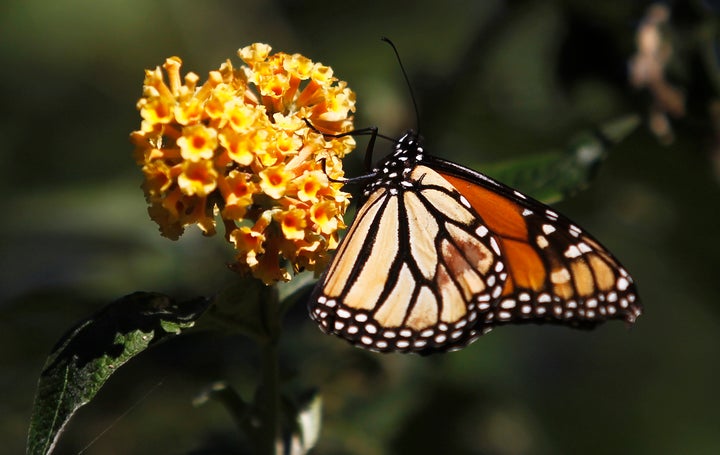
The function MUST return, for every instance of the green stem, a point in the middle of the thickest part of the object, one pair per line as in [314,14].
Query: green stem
[269,389]
[270,398]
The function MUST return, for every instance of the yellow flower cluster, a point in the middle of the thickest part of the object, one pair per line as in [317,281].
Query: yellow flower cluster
[238,147]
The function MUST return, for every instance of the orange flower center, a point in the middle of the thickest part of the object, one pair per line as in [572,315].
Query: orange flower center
[199,142]
[276,179]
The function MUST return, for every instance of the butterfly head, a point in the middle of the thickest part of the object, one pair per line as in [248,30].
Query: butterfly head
[409,143]
[408,149]
[396,167]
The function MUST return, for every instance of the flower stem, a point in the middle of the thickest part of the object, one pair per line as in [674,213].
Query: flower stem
[270,396]
[268,399]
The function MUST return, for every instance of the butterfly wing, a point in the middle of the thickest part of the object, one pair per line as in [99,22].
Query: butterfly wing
[412,272]
[556,271]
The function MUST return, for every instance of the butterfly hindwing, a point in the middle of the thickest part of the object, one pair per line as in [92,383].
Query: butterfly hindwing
[429,264]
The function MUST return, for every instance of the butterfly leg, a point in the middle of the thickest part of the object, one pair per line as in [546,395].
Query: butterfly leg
[372,131]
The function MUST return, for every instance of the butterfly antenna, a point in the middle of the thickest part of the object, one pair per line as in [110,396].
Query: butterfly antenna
[407,81]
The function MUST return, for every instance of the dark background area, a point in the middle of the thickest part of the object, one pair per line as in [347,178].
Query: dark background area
[495,81]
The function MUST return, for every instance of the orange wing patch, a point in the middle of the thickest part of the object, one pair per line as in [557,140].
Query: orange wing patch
[501,215]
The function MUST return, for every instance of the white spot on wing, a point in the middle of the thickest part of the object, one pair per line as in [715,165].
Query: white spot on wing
[507,304]
[495,246]
[572,252]
[622,283]
[541,242]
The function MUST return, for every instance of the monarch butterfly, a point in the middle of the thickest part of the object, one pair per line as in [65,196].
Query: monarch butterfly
[439,254]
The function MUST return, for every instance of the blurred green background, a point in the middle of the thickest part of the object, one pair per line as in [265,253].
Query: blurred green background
[495,80]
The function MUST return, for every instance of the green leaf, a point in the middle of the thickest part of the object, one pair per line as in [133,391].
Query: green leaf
[302,417]
[248,307]
[309,422]
[226,395]
[86,356]
[552,176]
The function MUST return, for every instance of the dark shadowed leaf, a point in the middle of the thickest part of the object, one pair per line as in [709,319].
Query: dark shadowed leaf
[90,353]
[301,417]
[552,176]
[308,422]
[248,307]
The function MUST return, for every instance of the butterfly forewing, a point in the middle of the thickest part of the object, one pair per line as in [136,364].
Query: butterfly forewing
[557,271]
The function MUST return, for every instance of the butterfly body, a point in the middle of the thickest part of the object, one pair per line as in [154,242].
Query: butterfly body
[439,254]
